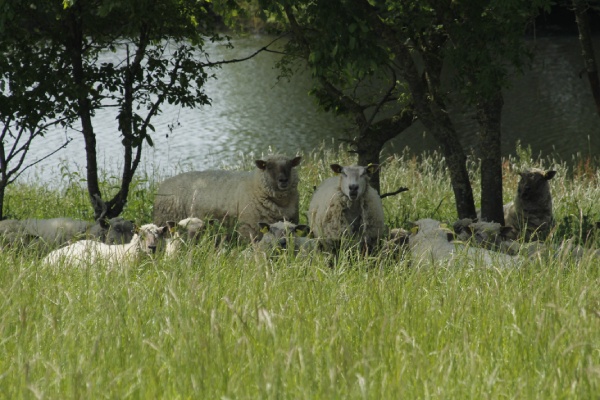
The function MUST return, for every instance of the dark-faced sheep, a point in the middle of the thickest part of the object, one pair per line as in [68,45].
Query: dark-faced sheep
[347,207]
[54,232]
[530,214]
[237,198]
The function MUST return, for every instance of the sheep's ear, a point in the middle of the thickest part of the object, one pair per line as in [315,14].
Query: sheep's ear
[261,164]
[172,226]
[506,231]
[336,168]
[302,230]
[104,223]
[264,227]
[549,175]
[372,168]
[296,161]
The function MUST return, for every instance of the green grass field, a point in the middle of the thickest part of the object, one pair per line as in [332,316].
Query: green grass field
[225,324]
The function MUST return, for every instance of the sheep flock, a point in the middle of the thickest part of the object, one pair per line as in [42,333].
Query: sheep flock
[261,207]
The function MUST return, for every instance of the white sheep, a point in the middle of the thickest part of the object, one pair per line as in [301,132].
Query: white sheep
[148,239]
[285,235]
[433,243]
[237,198]
[347,207]
[186,231]
[530,214]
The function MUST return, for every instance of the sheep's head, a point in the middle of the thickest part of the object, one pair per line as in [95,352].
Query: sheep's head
[279,171]
[119,231]
[431,228]
[282,234]
[189,228]
[152,237]
[354,180]
[534,182]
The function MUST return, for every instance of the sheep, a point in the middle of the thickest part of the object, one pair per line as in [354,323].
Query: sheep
[54,232]
[238,198]
[285,235]
[112,231]
[347,207]
[148,239]
[530,214]
[186,230]
[433,242]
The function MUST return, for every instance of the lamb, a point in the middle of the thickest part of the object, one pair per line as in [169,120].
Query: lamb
[186,230]
[237,198]
[530,214]
[347,207]
[284,235]
[148,239]
[433,243]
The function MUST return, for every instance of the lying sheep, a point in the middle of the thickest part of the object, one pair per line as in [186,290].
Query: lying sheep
[285,235]
[186,231]
[112,231]
[490,235]
[147,240]
[433,243]
[242,198]
[58,231]
[347,207]
[530,214]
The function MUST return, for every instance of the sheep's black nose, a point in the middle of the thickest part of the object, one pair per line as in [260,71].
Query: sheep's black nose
[152,249]
[353,188]
[283,243]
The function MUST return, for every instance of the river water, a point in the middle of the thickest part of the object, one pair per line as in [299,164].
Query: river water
[549,108]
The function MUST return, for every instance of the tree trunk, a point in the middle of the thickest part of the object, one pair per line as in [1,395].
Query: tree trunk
[2,193]
[371,142]
[587,49]
[489,114]
[75,47]
[431,111]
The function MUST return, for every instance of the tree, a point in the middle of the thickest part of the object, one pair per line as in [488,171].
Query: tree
[30,103]
[353,78]
[580,8]
[344,41]
[163,62]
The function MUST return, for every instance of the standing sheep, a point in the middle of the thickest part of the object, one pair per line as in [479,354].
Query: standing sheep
[148,239]
[267,194]
[346,206]
[530,214]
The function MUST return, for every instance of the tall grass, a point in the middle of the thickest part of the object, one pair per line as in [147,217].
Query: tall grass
[223,323]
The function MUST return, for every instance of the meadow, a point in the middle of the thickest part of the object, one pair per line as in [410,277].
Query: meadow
[221,323]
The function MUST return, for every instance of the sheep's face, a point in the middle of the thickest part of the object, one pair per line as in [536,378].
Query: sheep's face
[152,237]
[432,229]
[191,228]
[119,231]
[279,171]
[282,234]
[354,180]
[533,183]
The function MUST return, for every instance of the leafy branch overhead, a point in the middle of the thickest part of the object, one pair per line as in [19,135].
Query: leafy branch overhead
[157,56]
